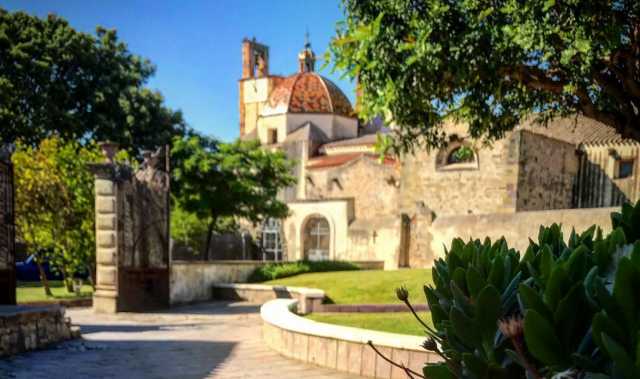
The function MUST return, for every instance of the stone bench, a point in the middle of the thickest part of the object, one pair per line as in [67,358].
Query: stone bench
[309,299]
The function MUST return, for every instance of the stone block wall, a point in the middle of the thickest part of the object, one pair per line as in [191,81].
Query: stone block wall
[547,173]
[193,281]
[23,329]
[106,294]
[488,188]
[372,184]
[517,228]
[339,347]
[377,239]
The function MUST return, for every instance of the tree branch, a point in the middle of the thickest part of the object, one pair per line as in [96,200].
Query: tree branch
[400,366]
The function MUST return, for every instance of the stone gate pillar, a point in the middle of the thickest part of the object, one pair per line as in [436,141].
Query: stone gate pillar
[132,234]
[105,298]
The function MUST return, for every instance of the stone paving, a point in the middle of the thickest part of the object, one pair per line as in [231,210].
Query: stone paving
[214,340]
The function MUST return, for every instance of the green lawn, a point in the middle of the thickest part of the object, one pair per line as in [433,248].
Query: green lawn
[32,291]
[364,287]
[402,322]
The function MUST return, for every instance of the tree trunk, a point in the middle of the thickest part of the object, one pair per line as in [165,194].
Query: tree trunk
[92,276]
[43,278]
[209,238]
[68,282]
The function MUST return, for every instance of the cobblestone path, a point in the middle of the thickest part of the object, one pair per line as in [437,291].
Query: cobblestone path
[215,340]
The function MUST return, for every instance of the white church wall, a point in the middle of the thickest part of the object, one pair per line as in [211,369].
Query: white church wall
[345,127]
[338,213]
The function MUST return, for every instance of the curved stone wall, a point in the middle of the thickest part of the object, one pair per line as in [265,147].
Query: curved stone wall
[339,347]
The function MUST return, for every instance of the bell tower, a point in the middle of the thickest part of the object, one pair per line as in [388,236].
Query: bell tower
[306,58]
[255,59]
[255,84]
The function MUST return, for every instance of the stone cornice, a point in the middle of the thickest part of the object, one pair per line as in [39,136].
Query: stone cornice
[110,171]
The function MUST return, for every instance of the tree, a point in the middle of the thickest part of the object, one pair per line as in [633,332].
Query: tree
[55,204]
[218,181]
[56,80]
[491,63]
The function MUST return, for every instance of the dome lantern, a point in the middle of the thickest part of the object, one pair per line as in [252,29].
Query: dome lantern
[306,58]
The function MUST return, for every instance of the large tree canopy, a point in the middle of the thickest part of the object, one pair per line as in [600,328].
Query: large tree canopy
[54,79]
[491,63]
[239,180]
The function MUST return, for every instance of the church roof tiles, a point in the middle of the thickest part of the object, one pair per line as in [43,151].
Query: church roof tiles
[576,130]
[308,92]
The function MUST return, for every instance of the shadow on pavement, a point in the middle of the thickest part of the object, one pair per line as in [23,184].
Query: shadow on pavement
[214,308]
[120,359]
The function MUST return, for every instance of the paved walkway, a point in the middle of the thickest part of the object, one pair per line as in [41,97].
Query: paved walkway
[215,340]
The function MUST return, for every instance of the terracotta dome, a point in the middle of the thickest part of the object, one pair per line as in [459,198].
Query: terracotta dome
[308,92]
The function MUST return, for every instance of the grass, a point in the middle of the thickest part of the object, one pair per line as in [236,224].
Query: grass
[364,287]
[28,292]
[401,322]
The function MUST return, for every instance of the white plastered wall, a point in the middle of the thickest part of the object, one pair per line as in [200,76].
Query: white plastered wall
[339,213]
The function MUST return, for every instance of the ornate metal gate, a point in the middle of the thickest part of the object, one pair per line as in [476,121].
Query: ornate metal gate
[7,231]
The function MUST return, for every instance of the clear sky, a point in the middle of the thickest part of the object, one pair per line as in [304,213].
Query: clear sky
[195,44]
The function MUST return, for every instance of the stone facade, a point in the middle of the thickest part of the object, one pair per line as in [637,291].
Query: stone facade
[24,328]
[517,228]
[348,205]
[599,181]
[132,237]
[546,174]
[488,185]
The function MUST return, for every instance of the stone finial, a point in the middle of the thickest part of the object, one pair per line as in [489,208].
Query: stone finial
[109,150]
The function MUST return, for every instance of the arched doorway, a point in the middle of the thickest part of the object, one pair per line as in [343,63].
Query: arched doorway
[316,239]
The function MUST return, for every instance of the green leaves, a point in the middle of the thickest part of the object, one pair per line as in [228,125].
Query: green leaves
[541,339]
[55,202]
[437,371]
[216,180]
[487,64]
[489,310]
[565,306]
[54,79]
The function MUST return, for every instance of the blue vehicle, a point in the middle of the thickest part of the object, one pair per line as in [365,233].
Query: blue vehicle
[27,271]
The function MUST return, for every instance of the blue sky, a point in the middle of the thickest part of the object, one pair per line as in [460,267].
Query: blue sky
[195,44]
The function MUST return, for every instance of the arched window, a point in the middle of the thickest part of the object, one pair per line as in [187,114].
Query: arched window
[457,156]
[316,239]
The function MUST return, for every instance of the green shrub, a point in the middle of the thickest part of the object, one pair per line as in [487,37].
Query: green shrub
[564,310]
[273,271]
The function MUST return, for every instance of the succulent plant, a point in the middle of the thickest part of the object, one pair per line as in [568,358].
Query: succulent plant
[565,309]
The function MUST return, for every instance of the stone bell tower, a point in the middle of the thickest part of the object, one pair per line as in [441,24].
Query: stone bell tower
[306,58]
[255,85]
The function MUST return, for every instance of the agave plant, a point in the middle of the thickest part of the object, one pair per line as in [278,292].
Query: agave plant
[566,309]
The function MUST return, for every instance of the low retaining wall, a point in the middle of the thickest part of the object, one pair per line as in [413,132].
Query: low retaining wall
[309,299]
[369,265]
[191,281]
[517,227]
[25,328]
[339,347]
[367,308]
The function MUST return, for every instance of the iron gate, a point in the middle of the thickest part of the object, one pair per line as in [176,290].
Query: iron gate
[144,216]
[7,233]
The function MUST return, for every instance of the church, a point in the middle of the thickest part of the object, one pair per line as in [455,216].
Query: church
[348,204]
